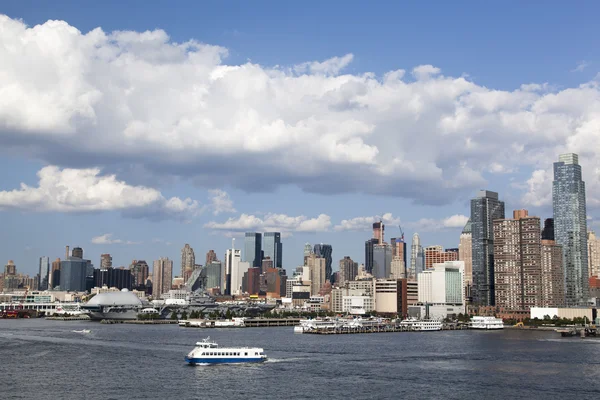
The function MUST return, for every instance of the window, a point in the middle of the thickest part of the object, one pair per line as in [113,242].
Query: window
[245,354]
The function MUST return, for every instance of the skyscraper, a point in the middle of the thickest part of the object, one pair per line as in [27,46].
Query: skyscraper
[485,208]
[210,257]
[44,272]
[140,271]
[465,253]
[382,261]
[105,261]
[162,276]
[417,263]
[570,227]
[378,231]
[273,248]
[548,231]
[316,267]
[54,277]
[233,257]
[348,270]
[369,245]
[253,249]
[77,252]
[437,255]
[324,251]
[188,260]
[553,276]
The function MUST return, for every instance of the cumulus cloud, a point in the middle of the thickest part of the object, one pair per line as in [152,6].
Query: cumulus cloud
[431,225]
[272,222]
[79,100]
[581,65]
[366,223]
[85,190]
[107,238]
[221,202]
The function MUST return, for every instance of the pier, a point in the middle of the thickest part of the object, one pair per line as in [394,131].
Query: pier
[580,331]
[376,329]
[139,322]
[264,322]
[74,318]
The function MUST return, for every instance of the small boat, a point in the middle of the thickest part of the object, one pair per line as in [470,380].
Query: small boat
[207,352]
[83,331]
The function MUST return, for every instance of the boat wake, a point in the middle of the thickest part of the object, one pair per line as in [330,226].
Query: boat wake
[278,360]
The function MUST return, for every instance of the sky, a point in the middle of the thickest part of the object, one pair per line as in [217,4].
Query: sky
[133,128]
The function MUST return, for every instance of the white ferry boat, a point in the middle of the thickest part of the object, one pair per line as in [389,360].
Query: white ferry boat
[422,324]
[315,324]
[486,323]
[207,352]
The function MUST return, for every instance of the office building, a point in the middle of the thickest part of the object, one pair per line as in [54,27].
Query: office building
[253,249]
[378,231]
[77,252]
[369,246]
[44,273]
[570,227]
[251,281]
[74,272]
[399,249]
[238,271]
[397,268]
[213,275]
[465,254]
[324,251]
[485,208]
[273,248]
[266,264]
[348,270]
[233,257]
[548,231]
[162,277]
[391,296]
[188,262]
[54,278]
[443,284]
[417,258]
[119,278]
[275,282]
[308,249]
[140,271]
[437,255]
[10,268]
[382,261]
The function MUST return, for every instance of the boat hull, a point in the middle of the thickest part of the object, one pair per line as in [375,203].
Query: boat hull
[224,360]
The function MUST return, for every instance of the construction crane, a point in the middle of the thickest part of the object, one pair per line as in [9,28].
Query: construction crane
[401,233]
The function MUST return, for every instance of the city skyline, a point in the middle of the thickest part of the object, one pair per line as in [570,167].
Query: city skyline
[318,172]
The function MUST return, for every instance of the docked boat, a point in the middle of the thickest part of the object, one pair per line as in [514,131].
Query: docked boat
[207,352]
[317,324]
[422,324]
[486,323]
[83,331]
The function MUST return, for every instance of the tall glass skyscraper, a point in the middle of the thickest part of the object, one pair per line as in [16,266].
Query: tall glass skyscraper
[570,227]
[272,247]
[382,261]
[253,249]
[44,273]
[485,208]
[324,251]
[417,258]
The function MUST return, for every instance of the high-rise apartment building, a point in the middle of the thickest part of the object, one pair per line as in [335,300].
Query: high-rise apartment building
[570,227]
[162,276]
[253,249]
[10,268]
[348,270]
[397,268]
[273,248]
[316,267]
[437,255]
[465,254]
[553,277]
[210,257]
[382,261]
[399,249]
[485,208]
[324,251]
[251,281]
[518,262]
[188,261]
[44,272]
[417,258]
[593,254]
[140,271]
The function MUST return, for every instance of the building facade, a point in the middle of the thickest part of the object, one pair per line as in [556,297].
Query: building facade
[105,261]
[316,268]
[485,208]
[570,227]
[213,275]
[593,254]
[553,277]
[417,261]
[273,248]
[382,261]
[162,277]
[44,273]
[188,262]
[443,284]
[369,246]
[436,255]
[348,270]
[253,249]
[465,254]
[140,272]
[324,251]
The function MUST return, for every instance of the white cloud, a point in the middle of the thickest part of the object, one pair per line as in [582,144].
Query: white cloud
[107,239]
[85,190]
[431,225]
[366,223]
[221,202]
[272,222]
[178,109]
[581,65]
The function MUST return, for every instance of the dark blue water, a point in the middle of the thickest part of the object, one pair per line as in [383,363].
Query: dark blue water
[46,360]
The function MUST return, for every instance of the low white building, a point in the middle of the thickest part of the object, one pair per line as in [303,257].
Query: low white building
[444,284]
[569,313]
[357,305]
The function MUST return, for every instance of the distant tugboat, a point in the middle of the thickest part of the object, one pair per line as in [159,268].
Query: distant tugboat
[207,352]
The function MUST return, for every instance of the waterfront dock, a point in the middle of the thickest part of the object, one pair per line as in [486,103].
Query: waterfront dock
[139,322]
[74,318]
[375,328]
[246,323]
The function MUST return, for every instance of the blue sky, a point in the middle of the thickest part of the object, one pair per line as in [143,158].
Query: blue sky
[283,116]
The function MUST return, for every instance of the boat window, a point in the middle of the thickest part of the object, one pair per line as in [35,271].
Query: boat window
[245,354]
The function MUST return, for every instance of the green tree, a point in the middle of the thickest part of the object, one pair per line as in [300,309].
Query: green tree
[200,315]
[228,314]
[174,315]
[184,315]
